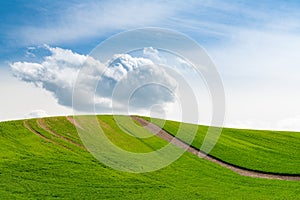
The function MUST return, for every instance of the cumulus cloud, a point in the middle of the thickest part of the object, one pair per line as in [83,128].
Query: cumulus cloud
[153,54]
[56,73]
[36,114]
[59,72]
[126,81]
[148,85]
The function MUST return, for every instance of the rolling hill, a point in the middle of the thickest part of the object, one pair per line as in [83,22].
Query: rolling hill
[267,151]
[45,159]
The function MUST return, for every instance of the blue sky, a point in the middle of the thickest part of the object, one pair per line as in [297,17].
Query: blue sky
[253,43]
[80,26]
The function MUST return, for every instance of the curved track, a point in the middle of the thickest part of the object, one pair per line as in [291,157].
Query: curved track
[41,124]
[26,125]
[242,171]
[169,138]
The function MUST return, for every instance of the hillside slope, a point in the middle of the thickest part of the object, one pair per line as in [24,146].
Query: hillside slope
[155,129]
[268,151]
[45,158]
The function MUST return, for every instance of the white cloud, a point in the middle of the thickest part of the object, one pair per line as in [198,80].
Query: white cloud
[125,82]
[58,73]
[121,64]
[153,54]
[36,114]
[148,82]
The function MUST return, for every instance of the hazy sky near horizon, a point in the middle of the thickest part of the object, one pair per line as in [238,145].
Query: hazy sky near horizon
[254,44]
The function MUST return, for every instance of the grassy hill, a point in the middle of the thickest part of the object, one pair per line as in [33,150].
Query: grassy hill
[268,151]
[45,159]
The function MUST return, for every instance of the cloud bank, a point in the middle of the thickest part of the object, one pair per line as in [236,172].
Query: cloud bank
[58,72]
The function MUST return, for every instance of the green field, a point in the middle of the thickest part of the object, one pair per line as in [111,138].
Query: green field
[32,167]
[267,151]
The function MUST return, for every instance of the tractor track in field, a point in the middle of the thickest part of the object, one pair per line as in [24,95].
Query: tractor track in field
[26,125]
[240,170]
[170,138]
[73,121]
[44,127]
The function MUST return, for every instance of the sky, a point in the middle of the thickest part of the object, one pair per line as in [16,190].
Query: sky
[254,45]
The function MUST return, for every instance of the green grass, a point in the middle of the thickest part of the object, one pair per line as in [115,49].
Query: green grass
[62,126]
[126,140]
[33,168]
[268,151]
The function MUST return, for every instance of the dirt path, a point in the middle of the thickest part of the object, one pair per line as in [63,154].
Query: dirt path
[73,121]
[242,171]
[43,126]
